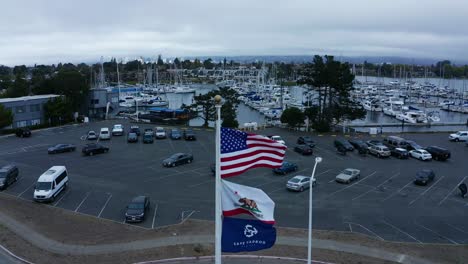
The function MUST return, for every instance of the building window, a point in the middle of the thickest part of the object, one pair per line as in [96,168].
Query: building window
[35,108]
[20,109]
[94,101]
[35,122]
[21,124]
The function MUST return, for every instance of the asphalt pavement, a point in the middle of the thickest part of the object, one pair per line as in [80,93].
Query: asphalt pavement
[383,203]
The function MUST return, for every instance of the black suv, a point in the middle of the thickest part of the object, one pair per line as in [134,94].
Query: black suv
[400,153]
[438,153]
[132,137]
[93,148]
[8,175]
[23,132]
[360,145]
[306,141]
[189,134]
[137,208]
[135,129]
[343,143]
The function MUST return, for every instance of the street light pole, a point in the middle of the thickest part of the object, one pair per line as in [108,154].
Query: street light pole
[309,246]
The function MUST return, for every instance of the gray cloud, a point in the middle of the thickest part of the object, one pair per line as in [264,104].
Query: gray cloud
[49,31]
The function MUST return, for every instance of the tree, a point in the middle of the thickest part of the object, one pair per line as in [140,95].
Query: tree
[6,117]
[333,81]
[228,114]
[177,63]
[293,116]
[208,112]
[208,64]
[19,88]
[160,61]
[57,111]
[73,85]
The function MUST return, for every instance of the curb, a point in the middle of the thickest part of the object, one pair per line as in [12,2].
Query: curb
[14,256]
[249,257]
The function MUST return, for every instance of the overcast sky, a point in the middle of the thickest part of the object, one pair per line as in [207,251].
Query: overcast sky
[50,31]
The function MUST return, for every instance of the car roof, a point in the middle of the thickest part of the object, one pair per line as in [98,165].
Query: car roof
[300,177]
[400,149]
[47,176]
[139,199]
[104,128]
[351,169]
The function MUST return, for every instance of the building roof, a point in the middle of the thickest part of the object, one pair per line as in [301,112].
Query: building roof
[28,98]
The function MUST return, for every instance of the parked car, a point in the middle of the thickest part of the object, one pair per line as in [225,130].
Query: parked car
[136,209]
[135,129]
[420,154]
[374,142]
[299,183]
[118,130]
[160,133]
[50,184]
[438,153]
[348,175]
[359,145]
[400,153]
[8,175]
[285,168]
[395,142]
[93,148]
[277,139]
[423,177]
[178,159]
[175,134]
[306,140]
[343,143]
[23,132]
[104,134]
[132,137]
[148,138]
[149,131]
[60,148]
[303,149]
[411,145]
[189,134]
[379,151]
[459,136]
[91,135]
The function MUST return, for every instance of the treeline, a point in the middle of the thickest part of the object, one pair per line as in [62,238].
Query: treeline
[442,69]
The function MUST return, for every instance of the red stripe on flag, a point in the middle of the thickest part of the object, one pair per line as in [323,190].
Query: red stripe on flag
[245,163]
[250,154]
[238,211]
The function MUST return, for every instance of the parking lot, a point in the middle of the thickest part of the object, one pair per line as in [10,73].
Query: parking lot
[383,203]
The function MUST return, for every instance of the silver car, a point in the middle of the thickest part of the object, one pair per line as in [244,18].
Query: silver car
[348,175]
[380,151]
[299,183]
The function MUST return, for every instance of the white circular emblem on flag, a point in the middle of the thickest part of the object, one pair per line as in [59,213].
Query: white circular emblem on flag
[250,231]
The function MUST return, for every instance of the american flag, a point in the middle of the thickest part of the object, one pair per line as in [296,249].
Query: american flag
[241,151]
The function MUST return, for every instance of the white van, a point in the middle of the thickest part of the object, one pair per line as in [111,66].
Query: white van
[50,184]
[104,134]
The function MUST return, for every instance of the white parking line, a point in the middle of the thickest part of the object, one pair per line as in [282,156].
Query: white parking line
[86,197]
[456,186]
[347,187]
[420,195]
[401,231]
[396,174]
[104,207]
[201,183]
[154,216]
[363,227]
[398,191]
[26,189]
[63,195]
[437,234]
[457,228]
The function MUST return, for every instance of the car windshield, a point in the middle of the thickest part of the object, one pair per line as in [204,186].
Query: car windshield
[43,186]
[160,130]
[294,180]
[136,206]
[347,172]
[117,126]
[307,139]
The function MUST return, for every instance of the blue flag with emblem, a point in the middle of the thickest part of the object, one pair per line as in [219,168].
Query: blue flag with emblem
[241,235]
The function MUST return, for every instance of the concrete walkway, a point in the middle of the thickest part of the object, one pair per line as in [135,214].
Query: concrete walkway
[50,245]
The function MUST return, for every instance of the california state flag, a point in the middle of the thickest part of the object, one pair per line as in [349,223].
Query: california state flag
[241,199]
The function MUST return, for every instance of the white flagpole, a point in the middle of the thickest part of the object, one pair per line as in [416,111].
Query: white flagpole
[309,246]
[218,211]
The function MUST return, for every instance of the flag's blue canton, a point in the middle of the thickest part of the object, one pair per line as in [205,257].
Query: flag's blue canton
[232,140]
